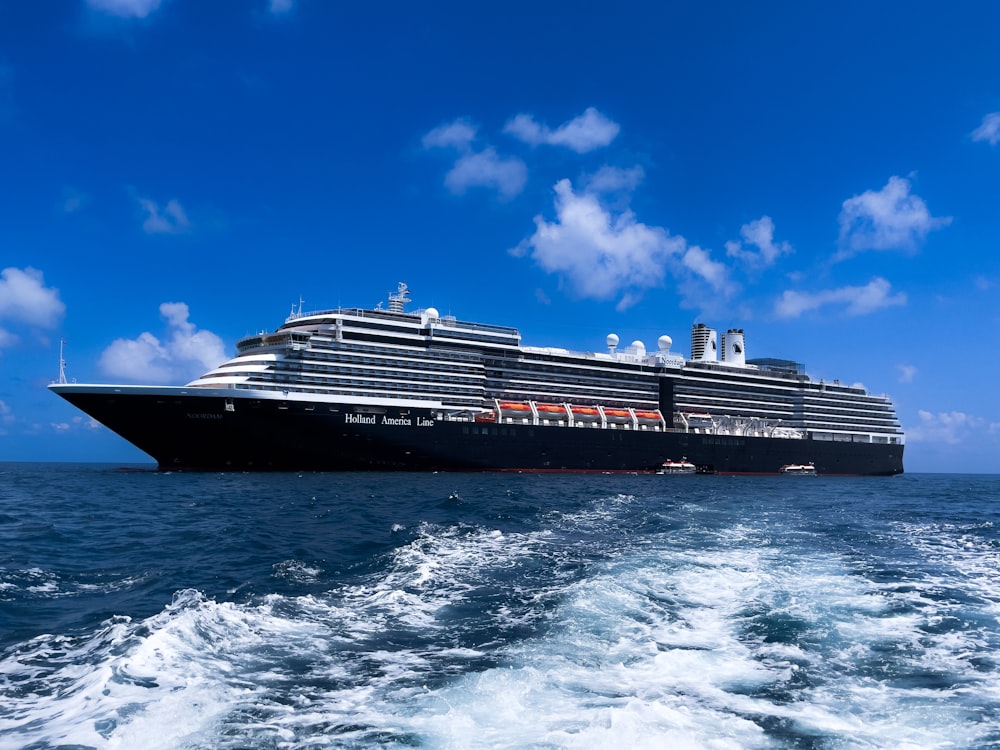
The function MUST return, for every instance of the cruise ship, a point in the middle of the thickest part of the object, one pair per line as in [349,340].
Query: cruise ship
[388,389]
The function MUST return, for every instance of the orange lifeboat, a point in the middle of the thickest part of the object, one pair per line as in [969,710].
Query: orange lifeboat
[584,411]
[622,413]
[514,406]
[654,415]
[550,408]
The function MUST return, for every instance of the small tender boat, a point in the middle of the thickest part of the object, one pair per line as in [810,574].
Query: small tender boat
[801,470]
[676,467]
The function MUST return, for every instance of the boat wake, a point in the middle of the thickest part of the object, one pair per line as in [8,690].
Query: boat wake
[621,623]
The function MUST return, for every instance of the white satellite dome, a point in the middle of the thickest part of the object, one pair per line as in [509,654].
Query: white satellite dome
[664,342]
[432,313]
[638,346]
[612,340]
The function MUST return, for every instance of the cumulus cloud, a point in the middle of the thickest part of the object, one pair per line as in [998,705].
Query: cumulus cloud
[476,168]
[758,234]
[857,300]
[25,300]
[172,219]
[186,353]
[599,254]
[887,219]
[952,427]
[906,373]
[989,130]
[586,132]
[125,8]
[487,169]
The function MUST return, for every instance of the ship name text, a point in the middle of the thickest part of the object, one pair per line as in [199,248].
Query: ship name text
[386,420]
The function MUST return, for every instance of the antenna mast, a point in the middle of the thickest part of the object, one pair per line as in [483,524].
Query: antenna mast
[62,363]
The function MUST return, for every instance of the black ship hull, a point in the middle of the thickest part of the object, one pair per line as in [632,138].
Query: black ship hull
[220,430]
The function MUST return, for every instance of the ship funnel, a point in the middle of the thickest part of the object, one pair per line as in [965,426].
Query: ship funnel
[733,349]
[704,343]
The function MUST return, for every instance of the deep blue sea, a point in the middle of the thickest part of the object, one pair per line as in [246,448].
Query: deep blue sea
[171,610]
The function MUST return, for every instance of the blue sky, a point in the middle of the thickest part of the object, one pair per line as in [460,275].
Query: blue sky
[175,174]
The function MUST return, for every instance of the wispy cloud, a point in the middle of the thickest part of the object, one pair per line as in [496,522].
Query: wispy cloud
[25,300]
[458,134]
[279,7]
[615,179]
[989,130]
[757,249]
[75,424]
[476,168]
[171,219]
[586,132]
[73,201]
[600,255]
[186,353]
[906,373]
[856,300]
[6,417]
[887,219]
[125,8]
[952,428]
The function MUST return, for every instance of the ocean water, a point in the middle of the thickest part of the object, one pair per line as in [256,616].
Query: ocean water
[168,610]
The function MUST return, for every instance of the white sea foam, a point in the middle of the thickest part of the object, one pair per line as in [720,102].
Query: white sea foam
[728,638]
[297,571]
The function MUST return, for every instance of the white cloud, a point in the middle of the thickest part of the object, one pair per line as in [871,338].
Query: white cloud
[24,299]
[601,255]
[487,169]
[858,300]
[887,219]
[989,130]
[186,354]
[125,8]
[171,220]
[458,134]
[700,262]
[583,133]
[952,428]
[277,7]
[759,234]
[483,168]
[906,373]
[614,179]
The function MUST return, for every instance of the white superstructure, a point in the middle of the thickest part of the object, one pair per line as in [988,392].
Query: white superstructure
[474,371]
